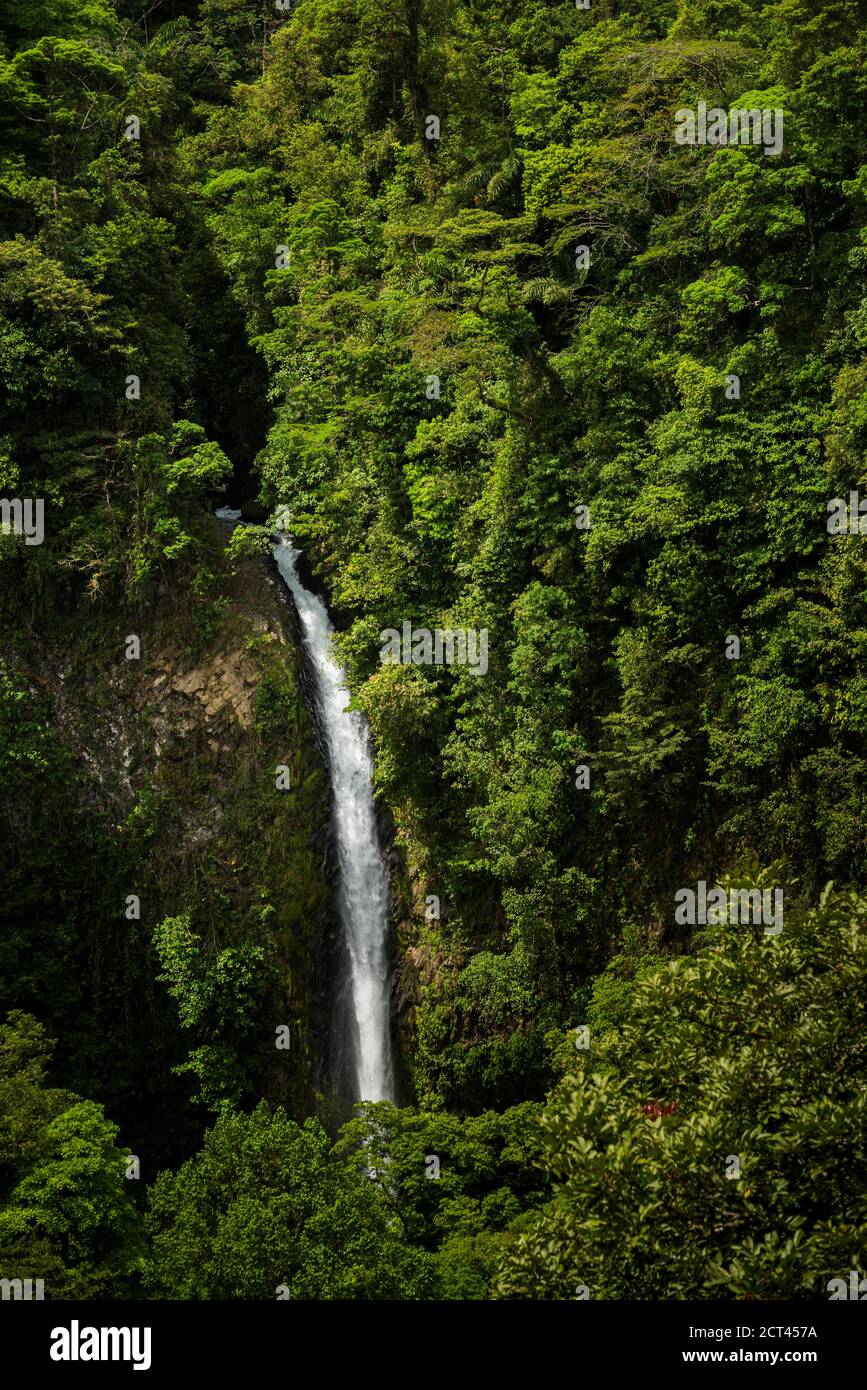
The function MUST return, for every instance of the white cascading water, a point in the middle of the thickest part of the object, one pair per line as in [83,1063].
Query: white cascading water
[363,880]
[363,886]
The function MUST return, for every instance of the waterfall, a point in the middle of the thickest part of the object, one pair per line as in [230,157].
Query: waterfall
[363,880]
[363,886]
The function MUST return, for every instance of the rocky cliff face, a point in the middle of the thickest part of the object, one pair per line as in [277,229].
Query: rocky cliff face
[161,775]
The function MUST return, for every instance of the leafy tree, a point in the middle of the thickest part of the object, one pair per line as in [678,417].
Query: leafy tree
[710,1145]
[66,1213]
[267,1210]
[456,1187]
[217,996]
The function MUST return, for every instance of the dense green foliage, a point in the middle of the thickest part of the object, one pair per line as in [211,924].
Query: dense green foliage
[711,1144]
[603,387]
[236,252]
[65,1216]
[265,1211]
[115,325]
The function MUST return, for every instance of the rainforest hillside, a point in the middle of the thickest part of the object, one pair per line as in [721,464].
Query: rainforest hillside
[439,287]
